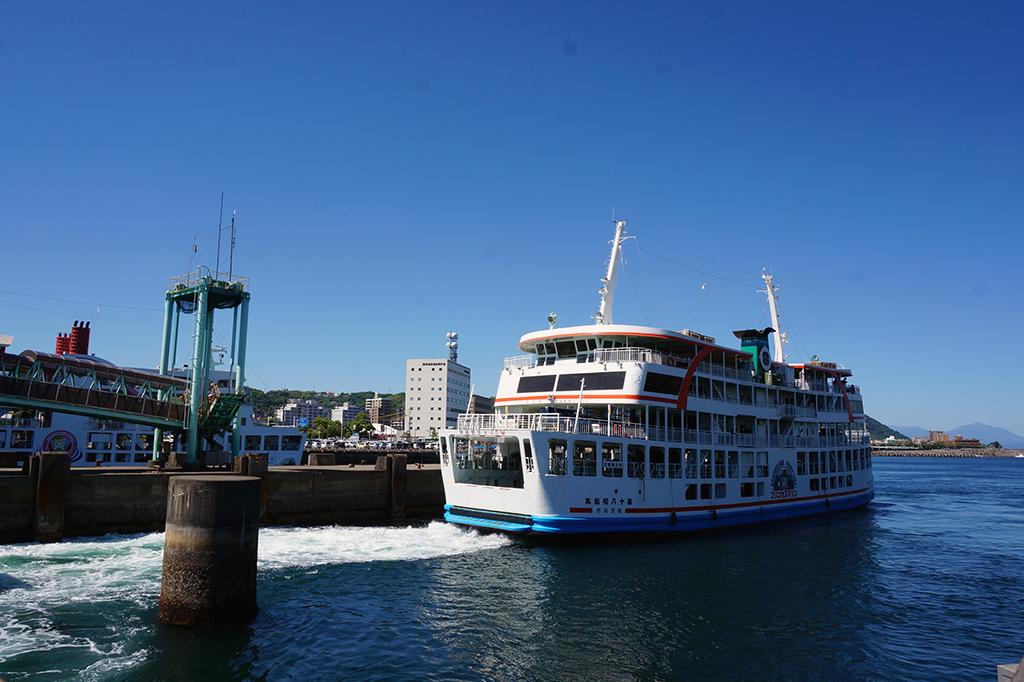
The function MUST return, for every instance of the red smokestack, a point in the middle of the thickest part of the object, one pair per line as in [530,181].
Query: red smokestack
[63,344]
[79,343]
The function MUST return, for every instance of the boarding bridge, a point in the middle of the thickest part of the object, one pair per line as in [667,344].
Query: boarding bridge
[43,381]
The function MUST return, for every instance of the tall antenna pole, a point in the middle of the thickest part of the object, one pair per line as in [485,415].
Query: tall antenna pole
[231,251]
[220,228]
[604,312]
[773,308]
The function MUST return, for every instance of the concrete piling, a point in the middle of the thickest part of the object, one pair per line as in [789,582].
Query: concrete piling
[320,459]
[51,477]
[210,543]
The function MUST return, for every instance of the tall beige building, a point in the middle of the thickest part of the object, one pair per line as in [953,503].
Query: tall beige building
[436,393]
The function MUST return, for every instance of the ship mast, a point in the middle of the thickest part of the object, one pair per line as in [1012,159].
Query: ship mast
[773,307]
[604,311]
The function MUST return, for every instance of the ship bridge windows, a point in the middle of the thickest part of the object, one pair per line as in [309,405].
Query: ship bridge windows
[251,443]
[290,442]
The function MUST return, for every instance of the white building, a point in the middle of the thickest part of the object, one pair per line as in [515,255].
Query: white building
[292,413]
[346,413]
[436,393]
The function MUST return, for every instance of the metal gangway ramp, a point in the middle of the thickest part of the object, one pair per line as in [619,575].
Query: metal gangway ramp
[43,381]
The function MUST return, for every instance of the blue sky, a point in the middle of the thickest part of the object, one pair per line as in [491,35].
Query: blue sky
[402,169]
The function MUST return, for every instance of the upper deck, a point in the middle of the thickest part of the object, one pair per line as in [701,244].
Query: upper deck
[634,364]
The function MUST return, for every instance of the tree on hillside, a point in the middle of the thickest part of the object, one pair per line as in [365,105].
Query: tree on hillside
[358,426]
[996,445]
[323,427]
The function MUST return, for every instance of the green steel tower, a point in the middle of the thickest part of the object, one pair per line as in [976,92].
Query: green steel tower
[209,411]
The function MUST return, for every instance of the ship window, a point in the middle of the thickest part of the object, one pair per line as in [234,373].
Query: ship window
[663,383]
[813,469]
[849,480]
[814,484]
[556,457]
[635,461]
[675,466]
[746,489]
[719,464]
[252,443]
[290,442]
[849,461]
[99,441]
[832,462]
[705,491]
[691,491]
[691,463]
[611,460]
[595,381]
[121,457]
[566,349]
[747,464]
[536,384]
[719,490]
[760,489]
[270,442]
[22,439]
[584,458]
[657,456]
[762,465]
[832,482]
[141,457]
[124,442]
[144,441]
[734,465]
[3,439]
[705,464]
[528,450]
[801,463]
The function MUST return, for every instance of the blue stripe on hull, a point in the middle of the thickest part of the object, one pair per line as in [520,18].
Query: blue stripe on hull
[663,523]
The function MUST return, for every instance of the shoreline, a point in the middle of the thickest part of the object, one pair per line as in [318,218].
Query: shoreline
[946,452]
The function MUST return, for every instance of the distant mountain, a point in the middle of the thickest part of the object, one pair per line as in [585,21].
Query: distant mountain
[987,433]
[879,431]
[912,431]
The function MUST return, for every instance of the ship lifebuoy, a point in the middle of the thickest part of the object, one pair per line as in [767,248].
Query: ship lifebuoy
[765,358]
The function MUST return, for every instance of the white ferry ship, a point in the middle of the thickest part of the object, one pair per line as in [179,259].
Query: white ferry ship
[98,442]
[623,428]
[103,442]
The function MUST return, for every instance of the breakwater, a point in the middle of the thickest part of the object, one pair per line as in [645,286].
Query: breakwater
[44,504]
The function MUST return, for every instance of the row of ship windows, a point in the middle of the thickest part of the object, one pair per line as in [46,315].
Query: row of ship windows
[654,382]
[641,461]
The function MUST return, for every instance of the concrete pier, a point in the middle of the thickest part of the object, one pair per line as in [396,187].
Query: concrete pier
[50,470]
[210,542]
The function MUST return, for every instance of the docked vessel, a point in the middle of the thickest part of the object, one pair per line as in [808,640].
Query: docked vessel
[622,428]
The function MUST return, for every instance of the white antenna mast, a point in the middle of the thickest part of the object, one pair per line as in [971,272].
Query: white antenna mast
[773,308]
[604,312]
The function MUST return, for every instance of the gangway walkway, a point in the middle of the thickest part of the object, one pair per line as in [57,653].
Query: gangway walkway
[91,388]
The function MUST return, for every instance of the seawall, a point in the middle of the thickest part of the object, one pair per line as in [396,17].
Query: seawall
[100,501]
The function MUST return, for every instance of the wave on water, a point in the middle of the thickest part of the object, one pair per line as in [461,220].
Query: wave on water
[36,579]
[302,547]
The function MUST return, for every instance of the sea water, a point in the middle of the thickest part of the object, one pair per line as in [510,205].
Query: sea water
[927,582]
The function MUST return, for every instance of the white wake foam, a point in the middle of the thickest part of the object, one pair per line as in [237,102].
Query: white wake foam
[36,578]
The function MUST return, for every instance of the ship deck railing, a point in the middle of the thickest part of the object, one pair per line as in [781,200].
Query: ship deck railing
[500,424]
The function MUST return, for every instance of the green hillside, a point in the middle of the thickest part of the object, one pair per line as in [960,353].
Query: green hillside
[265,402]
[880,431]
